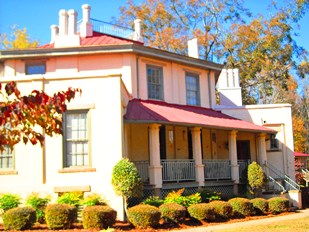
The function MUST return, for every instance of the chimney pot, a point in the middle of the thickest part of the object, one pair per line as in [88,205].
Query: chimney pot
[72,24]
[86,26]
[193,48]
[138,30]
[54,32]
[63,22]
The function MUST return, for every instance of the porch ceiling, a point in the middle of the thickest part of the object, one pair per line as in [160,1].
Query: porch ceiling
[149,111]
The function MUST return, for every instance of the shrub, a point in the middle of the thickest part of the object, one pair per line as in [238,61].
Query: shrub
[242,206]
[278,205]
[143,216]
[126,179]
[19,218]
[154,201]
[186,201]
[93,199]
[173,212]
[9,201]
[256,178]
[39,204]
[222,209]
[201,211]
[71,198]
[60,216]
[208,196]
[98,216]
[260,205]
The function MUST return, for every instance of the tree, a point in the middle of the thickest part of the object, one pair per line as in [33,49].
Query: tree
[126,180]
[19,115]
[17,39]
[256,178]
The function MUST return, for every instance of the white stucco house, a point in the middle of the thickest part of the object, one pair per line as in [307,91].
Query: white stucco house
[154,107]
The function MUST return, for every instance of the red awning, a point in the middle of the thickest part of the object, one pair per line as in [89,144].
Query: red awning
[149,111]
[299,154]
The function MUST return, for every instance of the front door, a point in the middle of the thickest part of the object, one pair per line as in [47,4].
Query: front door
[243,156]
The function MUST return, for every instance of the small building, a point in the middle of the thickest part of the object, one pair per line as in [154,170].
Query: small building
[152,106]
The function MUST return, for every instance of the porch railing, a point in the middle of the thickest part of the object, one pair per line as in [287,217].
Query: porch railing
[216,169]
[178,170]
[243,165]
[142,168]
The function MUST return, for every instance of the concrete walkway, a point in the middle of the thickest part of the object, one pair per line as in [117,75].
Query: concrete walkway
[298,214]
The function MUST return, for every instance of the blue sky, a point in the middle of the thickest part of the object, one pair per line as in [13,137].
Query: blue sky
[38,15]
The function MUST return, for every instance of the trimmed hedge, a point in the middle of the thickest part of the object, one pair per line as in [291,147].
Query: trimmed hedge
[242,206]
[19,218]
[278,205]
[60,216]
[260,205]
[173,212]
[98,217]
[201,211]
[144,216]
[222,209]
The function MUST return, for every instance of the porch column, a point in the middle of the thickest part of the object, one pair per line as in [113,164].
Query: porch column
[262,148]
[197,155]
[233,157]
[155,168]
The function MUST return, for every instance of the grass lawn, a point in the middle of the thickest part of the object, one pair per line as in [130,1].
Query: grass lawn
[295,225]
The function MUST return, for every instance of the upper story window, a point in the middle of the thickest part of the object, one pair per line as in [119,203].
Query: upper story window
[192,89]
[76,139]
[155,82]
[6,159]
[33,68]
[274,143]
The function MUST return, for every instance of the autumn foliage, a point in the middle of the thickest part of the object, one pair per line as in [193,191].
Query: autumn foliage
[20,115]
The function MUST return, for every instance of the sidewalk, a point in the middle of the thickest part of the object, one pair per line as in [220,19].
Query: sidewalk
[299,214]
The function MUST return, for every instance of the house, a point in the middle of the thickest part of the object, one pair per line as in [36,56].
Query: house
[155,107]
[302,159]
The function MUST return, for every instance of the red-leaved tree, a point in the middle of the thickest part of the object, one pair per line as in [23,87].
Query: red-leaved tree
[20,115]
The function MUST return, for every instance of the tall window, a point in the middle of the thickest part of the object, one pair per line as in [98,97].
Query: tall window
[192,89]
[35,68]
[76,139]
[274,143]
[6,159]
[155,82]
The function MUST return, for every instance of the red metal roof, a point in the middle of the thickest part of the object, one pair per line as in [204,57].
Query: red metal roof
[161,112]
[99,39]
[300,154]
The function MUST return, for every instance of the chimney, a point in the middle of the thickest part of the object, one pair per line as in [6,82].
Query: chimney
[228,88]
[54,32]
[193,48]
[137,30]
[72,24]
[63,22]
[86,26]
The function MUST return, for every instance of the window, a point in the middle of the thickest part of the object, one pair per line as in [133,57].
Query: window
[274,143]
[192,89]
[76,140]
[6,159]
[35,68]
[155,82]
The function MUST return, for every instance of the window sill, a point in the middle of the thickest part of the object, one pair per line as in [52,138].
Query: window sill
[273,150]
[8,172]
[75,169]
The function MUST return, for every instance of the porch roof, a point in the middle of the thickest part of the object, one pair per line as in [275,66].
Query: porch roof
[150,111]
[299,154]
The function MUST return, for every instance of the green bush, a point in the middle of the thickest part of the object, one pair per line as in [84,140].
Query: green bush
[98,217]
[93,199]
[173,212]
[278,205]
[201,211]
[260,205]
[144,216]
[9,201]
[256,178]
[242,206]
[126,179]
[154,201]
[208,195]
[60,216]
[71,198]
[19,218]
[222,209]
[186,201]
[39,204]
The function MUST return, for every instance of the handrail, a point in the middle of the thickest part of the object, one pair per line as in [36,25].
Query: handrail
[276,182]
[291,182]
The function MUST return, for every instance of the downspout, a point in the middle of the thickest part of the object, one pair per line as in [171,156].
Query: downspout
[44,146]
[209,90]
[137,77]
